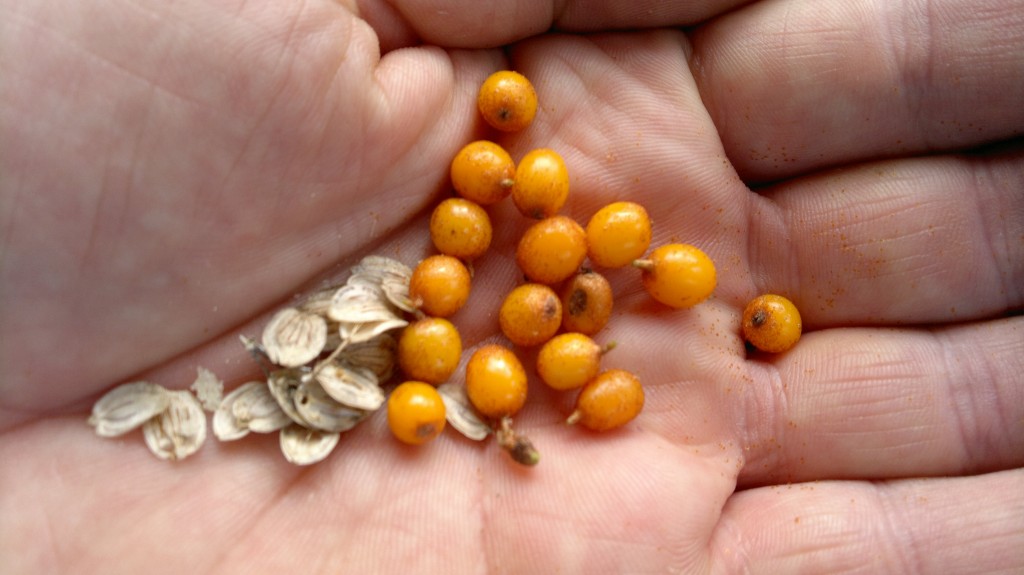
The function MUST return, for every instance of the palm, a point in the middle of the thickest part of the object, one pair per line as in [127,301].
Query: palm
[212,201]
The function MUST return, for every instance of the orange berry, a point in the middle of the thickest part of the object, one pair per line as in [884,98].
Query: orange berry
[507,101]
[416,412]
[610,400]
[552,250]
[460,228]
[530,314]
[542,184]
[586,303]
[678,275]
[772,323]
[439,285]
[618,234]
[495,381]
[569,360]
[483,172]
[429,350]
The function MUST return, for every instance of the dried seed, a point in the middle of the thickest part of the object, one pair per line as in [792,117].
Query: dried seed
[377,354]
[127,407]
[352,386]
[361,303]
[294,337]
[227,427]
[319,302]
[303,446]
[180,430]
[250,407]
[208,388]
[324,413]
[396,290]
[378,269]
[259,409]
[365,331]
[460,414]
[282,385]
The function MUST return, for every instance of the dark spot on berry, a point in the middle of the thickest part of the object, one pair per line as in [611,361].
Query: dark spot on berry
[759,318]
[425,430]
[577,301]
[550,307]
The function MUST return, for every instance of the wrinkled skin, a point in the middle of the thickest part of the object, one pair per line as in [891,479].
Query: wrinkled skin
[171,172]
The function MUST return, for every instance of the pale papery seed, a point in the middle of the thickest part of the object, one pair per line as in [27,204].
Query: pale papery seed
[179,431]
[352,386]
[127,407]
[302,446]
[294,337]
[324,413]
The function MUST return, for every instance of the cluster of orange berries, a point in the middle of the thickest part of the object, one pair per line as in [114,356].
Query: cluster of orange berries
[559,295]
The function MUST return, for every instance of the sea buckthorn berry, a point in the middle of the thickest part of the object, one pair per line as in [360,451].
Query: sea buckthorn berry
[678,275]
[460,228]
[429,350]
[416,412]
[439,285]
[771,323]
[552,250]
[483,172]
[530,314]
[542,184]
[495,381]
[618,234]
[586,303]
[569,360]
[610,400]
[507,101]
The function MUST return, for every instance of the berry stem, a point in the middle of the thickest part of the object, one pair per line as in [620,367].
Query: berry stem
[326,361]
[609,346]
[573,417]
[644,264]
[518,447]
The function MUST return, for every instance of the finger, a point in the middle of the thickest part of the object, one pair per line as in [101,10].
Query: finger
[866,403]
[957,525]
[461,24]
[908,241]
[794,86]
[204,162]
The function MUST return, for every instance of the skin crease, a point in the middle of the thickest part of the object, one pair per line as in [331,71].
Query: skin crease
[171,172]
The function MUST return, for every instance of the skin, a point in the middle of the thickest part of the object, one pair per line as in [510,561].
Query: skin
[171,172]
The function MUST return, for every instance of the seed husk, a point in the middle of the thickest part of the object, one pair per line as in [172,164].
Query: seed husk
[249,407]
[322,412]
[380,269]
[376,354]
[359,332]
[282,385]
[302,446]
[361,303]
[460,414]
[180,430]
[319,302]
[127,407]
[294,337]
[352,386]
[260,410]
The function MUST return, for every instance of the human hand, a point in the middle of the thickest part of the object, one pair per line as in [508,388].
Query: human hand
[174,171]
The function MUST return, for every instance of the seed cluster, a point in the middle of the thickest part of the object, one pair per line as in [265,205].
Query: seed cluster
[325,361]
